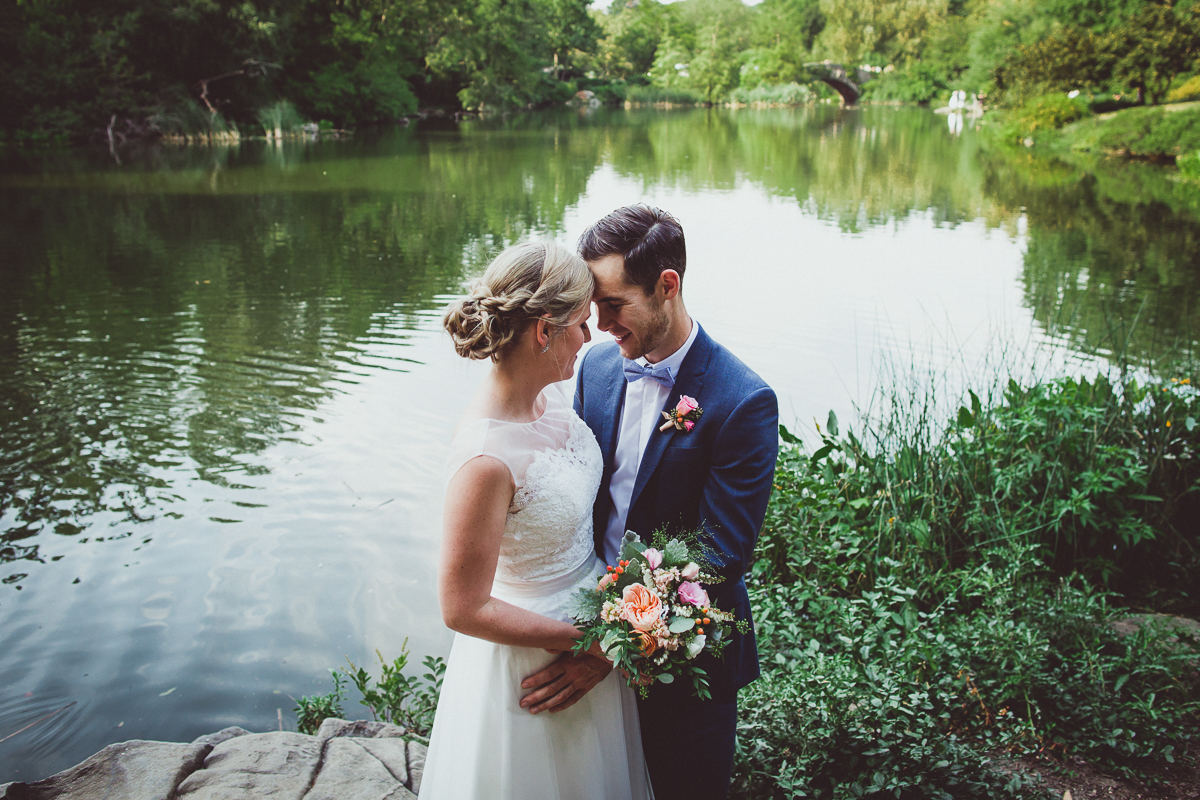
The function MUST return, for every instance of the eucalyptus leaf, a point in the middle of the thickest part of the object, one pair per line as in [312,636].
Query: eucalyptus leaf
[681,624]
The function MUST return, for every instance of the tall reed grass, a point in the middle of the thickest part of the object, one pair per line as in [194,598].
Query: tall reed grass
[280,119]
[183,120]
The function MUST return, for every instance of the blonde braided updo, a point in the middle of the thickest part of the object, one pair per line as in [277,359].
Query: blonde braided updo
[523,284]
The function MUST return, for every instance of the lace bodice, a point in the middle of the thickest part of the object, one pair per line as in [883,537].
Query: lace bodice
[556,467]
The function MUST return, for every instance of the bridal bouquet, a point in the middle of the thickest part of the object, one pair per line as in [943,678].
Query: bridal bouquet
[651,614]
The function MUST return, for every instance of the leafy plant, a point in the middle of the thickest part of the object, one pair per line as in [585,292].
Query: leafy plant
[1042,114]
[397,698]
[909,620]
[916,83]
[312,711]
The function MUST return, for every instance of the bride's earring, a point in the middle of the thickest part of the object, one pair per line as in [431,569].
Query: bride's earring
[547,347]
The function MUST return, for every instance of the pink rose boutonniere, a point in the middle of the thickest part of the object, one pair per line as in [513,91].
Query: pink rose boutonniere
[683,416]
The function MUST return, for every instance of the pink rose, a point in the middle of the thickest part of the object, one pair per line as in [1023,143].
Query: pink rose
[605,581]
[690,571]
[688,425]
[642,607]
[653,557]
[686,405]
[690,592]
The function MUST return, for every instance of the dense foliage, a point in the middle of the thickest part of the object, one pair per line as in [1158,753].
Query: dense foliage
[140,67]
[934,602]
[165,66]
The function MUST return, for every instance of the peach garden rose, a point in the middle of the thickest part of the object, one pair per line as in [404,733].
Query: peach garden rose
[642,607]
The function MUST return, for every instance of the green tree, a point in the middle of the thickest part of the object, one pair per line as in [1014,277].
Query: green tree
[792,25]
[722,31]
[1069,58]
[352,60]
[1149,49]
[632,33]
[997,30]
[671,64]
[862,31]
[569,30]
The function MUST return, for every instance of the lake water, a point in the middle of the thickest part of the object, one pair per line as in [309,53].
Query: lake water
[226,396]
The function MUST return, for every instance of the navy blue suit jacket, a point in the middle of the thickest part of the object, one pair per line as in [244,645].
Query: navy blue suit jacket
[717,477]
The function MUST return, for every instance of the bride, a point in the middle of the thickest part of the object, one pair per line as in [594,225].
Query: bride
[522,476]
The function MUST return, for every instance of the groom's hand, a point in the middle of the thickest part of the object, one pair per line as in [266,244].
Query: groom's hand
[560,685]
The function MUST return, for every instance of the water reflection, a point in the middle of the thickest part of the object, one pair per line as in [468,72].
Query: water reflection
[226,398]
[1112,260]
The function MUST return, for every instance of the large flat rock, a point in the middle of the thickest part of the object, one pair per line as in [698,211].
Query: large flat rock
[351,760]
[359,729]
[133,770]
[350,770]
[258,766]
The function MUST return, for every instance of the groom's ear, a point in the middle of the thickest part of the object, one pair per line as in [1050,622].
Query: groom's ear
[669,284]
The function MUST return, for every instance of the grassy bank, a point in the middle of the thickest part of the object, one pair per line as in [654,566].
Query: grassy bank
[938,598]
[1062,123]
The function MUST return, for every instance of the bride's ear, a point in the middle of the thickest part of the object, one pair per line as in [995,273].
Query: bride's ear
[541,333]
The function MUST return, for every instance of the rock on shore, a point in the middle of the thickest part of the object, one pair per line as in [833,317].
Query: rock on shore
[361,760]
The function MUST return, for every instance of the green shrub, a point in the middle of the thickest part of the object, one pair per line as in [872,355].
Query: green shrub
[863,696]
[1098,477]
[915,83]
[651,95]
[1189,165]
[1151,131]
[608,91]
[1188,90]
[787,94]
[1042,114]
[877,689]
[312,711]
[394,697]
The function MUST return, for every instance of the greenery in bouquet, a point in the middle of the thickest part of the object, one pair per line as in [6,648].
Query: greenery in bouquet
[651,615]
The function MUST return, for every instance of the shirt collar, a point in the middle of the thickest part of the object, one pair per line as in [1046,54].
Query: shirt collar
[675,360]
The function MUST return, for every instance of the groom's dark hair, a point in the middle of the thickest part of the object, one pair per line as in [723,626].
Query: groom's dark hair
[649,239]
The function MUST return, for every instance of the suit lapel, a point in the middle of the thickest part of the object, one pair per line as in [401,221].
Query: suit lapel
[610,388]
[690,382]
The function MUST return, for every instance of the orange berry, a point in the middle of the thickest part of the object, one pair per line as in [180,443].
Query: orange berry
[706,622]
[699,631]
[618,570]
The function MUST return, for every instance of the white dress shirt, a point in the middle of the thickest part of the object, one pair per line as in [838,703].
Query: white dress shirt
[640,415]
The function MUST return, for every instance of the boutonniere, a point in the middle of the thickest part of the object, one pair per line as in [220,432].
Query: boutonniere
[683,416]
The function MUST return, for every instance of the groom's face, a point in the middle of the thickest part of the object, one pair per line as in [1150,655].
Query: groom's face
[638,321]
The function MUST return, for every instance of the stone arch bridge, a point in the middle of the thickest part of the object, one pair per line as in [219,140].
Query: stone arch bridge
[847,82]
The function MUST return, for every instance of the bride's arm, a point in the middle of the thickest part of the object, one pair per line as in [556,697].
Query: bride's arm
[477,502]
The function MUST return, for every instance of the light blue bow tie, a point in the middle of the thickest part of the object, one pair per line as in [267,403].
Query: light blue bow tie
[635,371]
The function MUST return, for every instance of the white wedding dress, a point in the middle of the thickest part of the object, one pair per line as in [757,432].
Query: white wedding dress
[484,745]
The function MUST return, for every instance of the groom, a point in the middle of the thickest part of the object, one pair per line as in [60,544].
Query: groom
[716,476]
